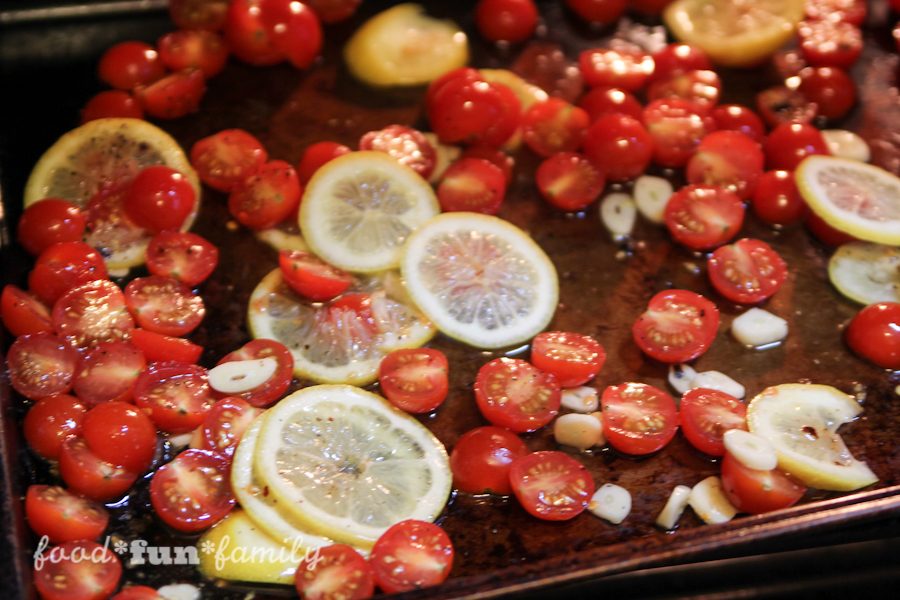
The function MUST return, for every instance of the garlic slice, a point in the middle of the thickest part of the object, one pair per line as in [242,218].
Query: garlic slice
[577,430]
[681,376]
[716,380]
[651,195]
[618,213]
[758,328]
[611,502]
[240,376]
[751,450]
[670,514]
[709,501]
[582,399]
[847,144]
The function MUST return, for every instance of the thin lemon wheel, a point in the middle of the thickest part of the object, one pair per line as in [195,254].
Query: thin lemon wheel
[480,279]
[97,154]
[359,208]
[334,346]
[348,465]
[734,33]
[866,272]
[403,46]
[856,198]
[801,422]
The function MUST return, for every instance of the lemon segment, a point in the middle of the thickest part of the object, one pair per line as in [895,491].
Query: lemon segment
[348,465]
[480,279]
[856,198]
[334,346]
[527,93]
[801,422]
[865,272]
[403,46]
[359,208]
[734,33]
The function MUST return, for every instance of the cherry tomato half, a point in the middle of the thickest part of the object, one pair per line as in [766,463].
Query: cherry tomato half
[481,458]
[92,312]
[638,418]
[747,271]
[677,326]
[573,358]
[158,346]
[194,49]
[23,313]
[62,516]
[569,181]
[107,371]
[225,424]
[80,569]
[311,277]
[193,491]
[411,555]
[181,255]
[176,395]
[754,491]
[551,485]
[514,394]
[176,95]
[474,185]
[164,305]
[415,379]
[41,365]
[267,197]
[90,476]
[727,159]
[336,571]
[554,125]
[702,217]
[706,415]
[273,388]
[120,434]
[225,159]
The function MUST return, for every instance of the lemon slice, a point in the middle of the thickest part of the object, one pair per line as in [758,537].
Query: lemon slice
[348,465]
[99,153]
[856,198]
[403,46]
[734,33]
[359,208]
[801,422]
[865,272]
[480,279]
[334,346]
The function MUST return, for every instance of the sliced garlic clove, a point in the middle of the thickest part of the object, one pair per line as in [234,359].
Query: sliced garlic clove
[651,195]
[618,213]
[847,144]
[670,514]
[599,416]
[240,376]
[751,450]
[577,430]
[681,376]
[582,399]
[193,439]
[716,380]
[709,501]
[758,328]
[611,502]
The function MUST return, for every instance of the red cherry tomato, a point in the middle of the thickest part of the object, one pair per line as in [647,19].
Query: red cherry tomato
[824,232]
[41,365]
[79,570]
[160,198]
[514,394]
[747,271]
[506,20]
[472,184]
[294,29]
[465,108]
[111,104]
[409,146]
[63,516]
[225,424]
[754,491]
[174,96]
[874,334]
[176,395]
[851,11]
[157,346]
[727,159]
[481,458]
[317,154]
[780,104]
[109,227]
[777,200]
[225,159]
[601,101]
[702,217]
[127,65]
[193,49]
[650,7]
[193,491]
[679,58]
[638,418]
[22,313]
[735,117]
[554,125]
[336,571]
[569,181]
[137,592]
[88,475]
[180,255]
[677,326]
[334,11]
[49,221]
[619,146]
[832,89]
[677,126]
[120,434]
[107,371]
[63,266]
[699,86]
[706,415]
[829,43]
[267,197]
[618,68]
[411,555]
[790,143]
[573,358]
[493,155]
[415,379]
[275,387]
[311,277]
[164,305]
[50,421]
[248,38]
[198,14]
[92,312]
[551,485]
[597,11]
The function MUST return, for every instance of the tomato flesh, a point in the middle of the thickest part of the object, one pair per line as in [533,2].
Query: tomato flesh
[164,305]
[92,312]
[336,571]
[193,491]
[573,358]
[176,395]
[638,418]
[275,387]
[81,570]
[267,197]
[702,217]
[551,485]
[23,313]
[184,256]
[88,475]
[107,372]
[63,266]
[415,379]
[748,271]
[63,516]
[474,185]
[514,394]
[677,326]
[411,555]
[569,181]
[312,277]
[158,346]
[225,424]
[706,415]
[481,459]
[225,159]
[41,365]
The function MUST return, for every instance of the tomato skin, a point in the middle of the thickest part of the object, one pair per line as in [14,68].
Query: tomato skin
[225,159]
[569,181]
[174,96]
[638,418]
[851,11]
[874,334]
[481,458]
[463,107]
[408,146]
[334,11]
[679,58]
[514,394]
[50,421]
[573,358]
[780,104]
[267,197]
[137,592]
[415,379]
[747,272]
[294,29]
[193,49]
[678,326]
[107,371]
[120,434]
[127,65]
[311,277]
[22,313]
[160,198]
[677,127]
[157,346]
[276,386]
[506,20]
[411,555]
[832,89]
[624,69]
[828,43]
[824,232]
[86,474]
[597,11]
[619,146]
[63,516]
[181,255]
[247,37]
[728,159]
[551,485]
[164,305]
[497,156]
[755,492]
[702,217]
[78,570]
[193,491]
[225,424]
[208,15]
[317,154]
[736,117]
[601,101]
[699,86]
[49,221]
[111,103]
[336,571]
[777,201]
[554,125]
[706,415]
[63,266]
[176,395]
[472,184]
[41,365]
[790,143]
